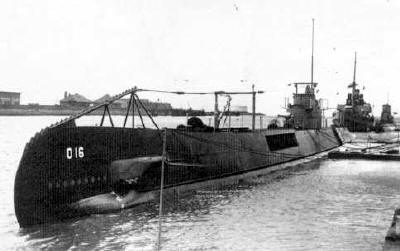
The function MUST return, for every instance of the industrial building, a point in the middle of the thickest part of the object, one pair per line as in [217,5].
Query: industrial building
[10,98]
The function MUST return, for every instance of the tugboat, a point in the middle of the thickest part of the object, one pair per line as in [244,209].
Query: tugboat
[355,115]
[68,170]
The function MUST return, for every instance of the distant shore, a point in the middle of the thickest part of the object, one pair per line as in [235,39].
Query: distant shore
[57,110]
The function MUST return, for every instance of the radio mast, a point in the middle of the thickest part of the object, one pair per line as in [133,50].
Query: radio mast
[312,54]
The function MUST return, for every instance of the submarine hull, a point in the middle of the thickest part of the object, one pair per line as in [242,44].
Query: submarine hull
[71,171]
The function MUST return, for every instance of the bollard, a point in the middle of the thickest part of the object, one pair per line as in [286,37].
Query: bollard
[393,233]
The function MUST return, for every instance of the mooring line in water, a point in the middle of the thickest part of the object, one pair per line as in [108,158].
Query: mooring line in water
[164,153]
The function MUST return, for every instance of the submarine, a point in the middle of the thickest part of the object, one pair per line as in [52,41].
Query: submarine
[67,170]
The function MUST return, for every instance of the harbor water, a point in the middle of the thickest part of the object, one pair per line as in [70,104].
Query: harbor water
[319,204]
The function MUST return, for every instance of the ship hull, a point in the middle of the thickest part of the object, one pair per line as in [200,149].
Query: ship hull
[359,124]
[69,171]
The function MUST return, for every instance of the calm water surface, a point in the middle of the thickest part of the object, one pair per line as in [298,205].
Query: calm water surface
[318,205]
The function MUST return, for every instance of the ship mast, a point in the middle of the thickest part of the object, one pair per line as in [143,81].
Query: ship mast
[353,85]
[312,55]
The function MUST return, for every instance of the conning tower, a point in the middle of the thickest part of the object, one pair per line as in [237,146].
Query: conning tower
[305,112]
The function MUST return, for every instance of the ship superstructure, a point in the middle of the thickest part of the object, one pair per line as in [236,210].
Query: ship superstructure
[386,115]
[386,122]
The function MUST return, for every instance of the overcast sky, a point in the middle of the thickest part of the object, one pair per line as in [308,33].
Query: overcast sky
[95,47]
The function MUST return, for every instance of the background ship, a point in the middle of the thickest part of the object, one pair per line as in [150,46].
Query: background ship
[356,113]
[386,122]
[386,115]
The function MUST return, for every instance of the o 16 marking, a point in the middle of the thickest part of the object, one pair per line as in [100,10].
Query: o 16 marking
[75,152]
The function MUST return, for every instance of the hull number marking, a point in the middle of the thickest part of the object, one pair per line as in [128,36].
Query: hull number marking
[75,152]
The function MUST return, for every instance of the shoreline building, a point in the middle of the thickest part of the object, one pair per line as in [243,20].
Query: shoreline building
[74,101]
[10,98]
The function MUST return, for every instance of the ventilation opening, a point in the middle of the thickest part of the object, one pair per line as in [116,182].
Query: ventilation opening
[281,141]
